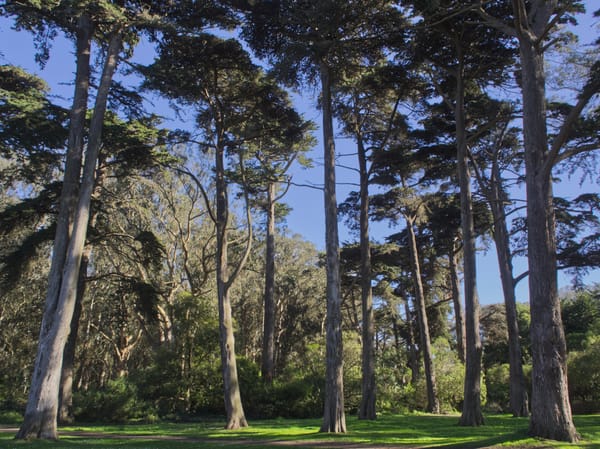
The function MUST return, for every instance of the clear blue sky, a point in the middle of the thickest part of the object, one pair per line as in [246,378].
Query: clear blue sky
[306,217]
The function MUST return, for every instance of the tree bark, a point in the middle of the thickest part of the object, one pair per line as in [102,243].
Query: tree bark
[433,403]
[42,406]
[65,405]
[232,397]
[471,412]
[268,352]
[550,407]
[459,316]
[367,408]
[334,419]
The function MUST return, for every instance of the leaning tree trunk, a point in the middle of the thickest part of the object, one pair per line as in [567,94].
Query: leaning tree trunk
[334,419]
[459,316]
[471,412]
[65,397]
[433,403]
[42,408]
[232,397]
[550,408]
[268,350]
[519,402]
[40,424]
[367,408]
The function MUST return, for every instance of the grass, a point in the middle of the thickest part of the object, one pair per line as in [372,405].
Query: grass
[410,430]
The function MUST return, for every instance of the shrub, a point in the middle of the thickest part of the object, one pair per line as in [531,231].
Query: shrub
[117,402]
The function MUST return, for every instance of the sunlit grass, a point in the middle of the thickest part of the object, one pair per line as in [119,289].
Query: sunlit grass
[410,430]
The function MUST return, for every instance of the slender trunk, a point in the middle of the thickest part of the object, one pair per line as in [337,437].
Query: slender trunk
[367,408]
[232,396]
[471,412]
[413,358]
[550,408]
[459,316]
[334,419]
[519,401]
[433,404]
[268,352]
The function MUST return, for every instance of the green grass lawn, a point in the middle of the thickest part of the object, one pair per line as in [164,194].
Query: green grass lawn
[411,430]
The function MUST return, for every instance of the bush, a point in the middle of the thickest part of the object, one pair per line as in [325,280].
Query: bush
[117,402]
[497,381]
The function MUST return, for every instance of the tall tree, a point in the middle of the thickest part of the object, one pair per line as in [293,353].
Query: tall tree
[237,107]
[309,41]
[281,137]
[367,107]
[491,157]
[463,55]
[41,412]
[534,25]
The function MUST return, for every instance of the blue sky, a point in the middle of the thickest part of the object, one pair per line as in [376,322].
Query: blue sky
[306,217]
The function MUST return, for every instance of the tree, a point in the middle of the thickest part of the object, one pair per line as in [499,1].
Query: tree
[237,106]
[494,155]
[312,41]
[41,412]
[464,55]
[534,26]
[367,107]
[278,136]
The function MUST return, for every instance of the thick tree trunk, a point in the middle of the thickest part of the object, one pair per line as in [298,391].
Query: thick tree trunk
[550,408]
[231,386]
[268,351]
[471,412]
[433,403]
[519,401]
[334,419]
[367,408]
[459,316]
[42,406]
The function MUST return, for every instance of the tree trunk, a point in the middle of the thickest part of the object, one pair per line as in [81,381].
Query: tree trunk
[433,404]
[367,408]
[459,316]
[334,419]
[519,402]
[413,358]
[42,407]
[65,405]
[471,412]
[232,396]
[268,352]
[550,408]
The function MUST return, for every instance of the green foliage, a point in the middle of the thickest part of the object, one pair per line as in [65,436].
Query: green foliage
[116,402]
[581,317]
[498,387]
[449,377]
[584,371]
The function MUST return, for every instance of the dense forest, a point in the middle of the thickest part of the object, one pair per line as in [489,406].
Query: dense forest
[146,270]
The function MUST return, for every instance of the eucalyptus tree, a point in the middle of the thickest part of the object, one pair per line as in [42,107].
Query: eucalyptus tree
[535,27]
[310,41]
